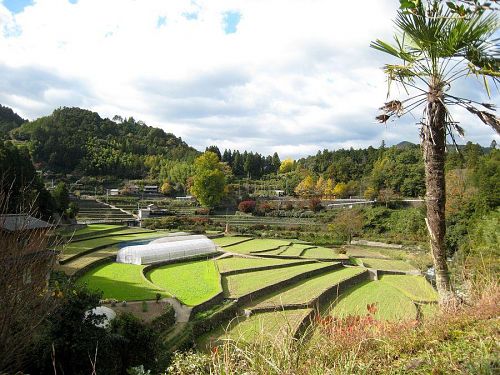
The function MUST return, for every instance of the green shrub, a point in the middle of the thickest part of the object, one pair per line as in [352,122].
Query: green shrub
[165,321]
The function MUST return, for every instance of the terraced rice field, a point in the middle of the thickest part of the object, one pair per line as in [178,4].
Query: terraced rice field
[75,248]
[256,245]
[239,263]
[364,252]
[388,265]
[308,290]
[229,240]
[414,287]
[323,253]
[191,283]
[76,264]
[390,303]
[263,327]
[428,310]
[124,282]
[296,249]
[239,285]
[93,229]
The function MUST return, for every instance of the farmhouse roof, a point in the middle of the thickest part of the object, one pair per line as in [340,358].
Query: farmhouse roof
[17,222]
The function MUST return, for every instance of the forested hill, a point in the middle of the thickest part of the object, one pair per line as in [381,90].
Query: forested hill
[75,140]
[9,120]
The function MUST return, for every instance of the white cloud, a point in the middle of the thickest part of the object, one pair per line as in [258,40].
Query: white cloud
[296,76]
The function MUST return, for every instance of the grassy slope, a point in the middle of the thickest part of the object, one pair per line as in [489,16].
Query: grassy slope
[121,281]
[391,304]
[237,263]
[238,285]
[191,282]
[229,240]
[307,290]
[415,287]
[391,265]
[256,245]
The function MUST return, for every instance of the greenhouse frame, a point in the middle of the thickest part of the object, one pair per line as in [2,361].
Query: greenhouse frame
[154,252]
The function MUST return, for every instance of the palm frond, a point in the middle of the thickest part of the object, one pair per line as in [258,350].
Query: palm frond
[486,117]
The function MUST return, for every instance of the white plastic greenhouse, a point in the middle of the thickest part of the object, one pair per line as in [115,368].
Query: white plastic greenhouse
[180,237]
[181,247]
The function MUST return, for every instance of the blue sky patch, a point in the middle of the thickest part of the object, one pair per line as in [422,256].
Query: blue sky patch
[190,16]
[162,21]
[231,21]
[16,6]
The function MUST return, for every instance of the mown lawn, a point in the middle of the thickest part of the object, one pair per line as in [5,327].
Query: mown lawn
[229,240]
[239,285]
[237,263]
[191,282]
[75,248]
[415,287]
[390,303]
[256,245]
[307,290]
[323,253]
[389,264]
[121,281]
[268,327]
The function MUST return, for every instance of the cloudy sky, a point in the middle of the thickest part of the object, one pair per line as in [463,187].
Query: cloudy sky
[291,76]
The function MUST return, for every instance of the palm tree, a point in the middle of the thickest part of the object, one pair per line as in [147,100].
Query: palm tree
[439,44]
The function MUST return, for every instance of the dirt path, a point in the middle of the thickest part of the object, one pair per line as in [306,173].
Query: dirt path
[182,312]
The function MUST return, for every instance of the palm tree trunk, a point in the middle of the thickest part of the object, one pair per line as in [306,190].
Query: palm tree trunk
[433,142]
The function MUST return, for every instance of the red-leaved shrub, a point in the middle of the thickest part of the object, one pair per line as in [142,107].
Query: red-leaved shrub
[246,206]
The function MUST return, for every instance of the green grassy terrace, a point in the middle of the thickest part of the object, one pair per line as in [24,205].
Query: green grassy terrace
[93,228]
[191,283]
[241,284]
[388,264]
[414,287]
[124,282]
[306,291]
[390,303]
[263,327]
[74,248]
[323,253]
[240,263]
[229,240]
[256,245]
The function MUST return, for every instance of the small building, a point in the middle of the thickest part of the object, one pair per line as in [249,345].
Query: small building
[185,198]
[12,223]
[279,193]
[114,192]
[151,189]
[23,249]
